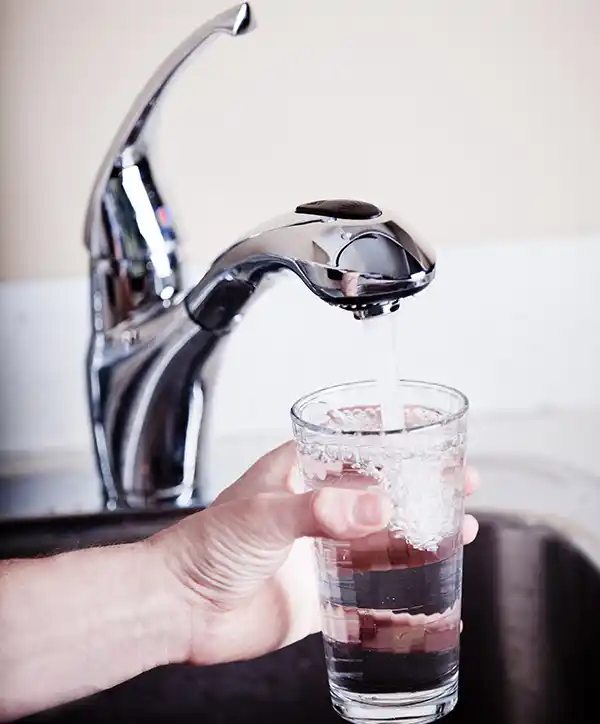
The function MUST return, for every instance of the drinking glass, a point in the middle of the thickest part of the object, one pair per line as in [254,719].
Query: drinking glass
[390,601]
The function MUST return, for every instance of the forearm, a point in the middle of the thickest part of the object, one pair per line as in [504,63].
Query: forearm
[81,622]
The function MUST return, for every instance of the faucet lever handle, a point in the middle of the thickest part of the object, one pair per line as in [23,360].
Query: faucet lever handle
[129,142]
[237,20]
[131,237]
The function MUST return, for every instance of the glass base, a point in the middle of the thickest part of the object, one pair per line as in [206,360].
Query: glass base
[407,707]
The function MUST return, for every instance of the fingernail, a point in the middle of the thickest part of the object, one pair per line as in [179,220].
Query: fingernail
[367,509]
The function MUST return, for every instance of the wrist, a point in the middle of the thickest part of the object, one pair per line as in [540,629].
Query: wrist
[167,617]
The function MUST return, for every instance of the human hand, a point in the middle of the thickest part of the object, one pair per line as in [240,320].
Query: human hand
[242,570]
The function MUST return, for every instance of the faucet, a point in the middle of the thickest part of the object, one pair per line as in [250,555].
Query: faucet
[154,346]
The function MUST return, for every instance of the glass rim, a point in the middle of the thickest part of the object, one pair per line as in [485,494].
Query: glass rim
[423,384]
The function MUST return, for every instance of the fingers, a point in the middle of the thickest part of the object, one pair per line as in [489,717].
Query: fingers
[470,529]
[472,480]
[271,473]
[352,515]
[384,550]
[342,513]
[470,524]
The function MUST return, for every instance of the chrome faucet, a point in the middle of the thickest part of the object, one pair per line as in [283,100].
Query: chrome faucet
[153,345]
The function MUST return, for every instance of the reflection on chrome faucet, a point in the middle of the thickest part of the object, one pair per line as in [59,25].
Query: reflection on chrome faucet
[153,346]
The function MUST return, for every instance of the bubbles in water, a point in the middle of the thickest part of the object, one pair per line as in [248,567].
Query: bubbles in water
[411,468]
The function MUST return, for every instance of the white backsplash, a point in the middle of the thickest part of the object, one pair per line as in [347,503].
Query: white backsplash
[515,325]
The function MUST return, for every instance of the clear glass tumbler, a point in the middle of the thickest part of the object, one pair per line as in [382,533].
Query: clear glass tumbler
[390,601]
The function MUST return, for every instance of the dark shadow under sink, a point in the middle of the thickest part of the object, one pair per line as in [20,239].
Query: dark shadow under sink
[529,651]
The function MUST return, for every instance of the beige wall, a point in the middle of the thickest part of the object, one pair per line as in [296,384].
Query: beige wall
[476,119]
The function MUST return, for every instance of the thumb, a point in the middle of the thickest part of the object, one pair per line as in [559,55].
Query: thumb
[228,550]
[271,522]
[276,520]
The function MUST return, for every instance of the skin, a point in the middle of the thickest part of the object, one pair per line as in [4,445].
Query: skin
[231,582]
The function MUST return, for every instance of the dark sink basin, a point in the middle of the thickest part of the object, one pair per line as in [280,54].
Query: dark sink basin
[529,648]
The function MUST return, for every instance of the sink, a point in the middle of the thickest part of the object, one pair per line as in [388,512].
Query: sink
[531,625]
[532,631]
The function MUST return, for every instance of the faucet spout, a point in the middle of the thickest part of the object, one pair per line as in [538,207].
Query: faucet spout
[351,254]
